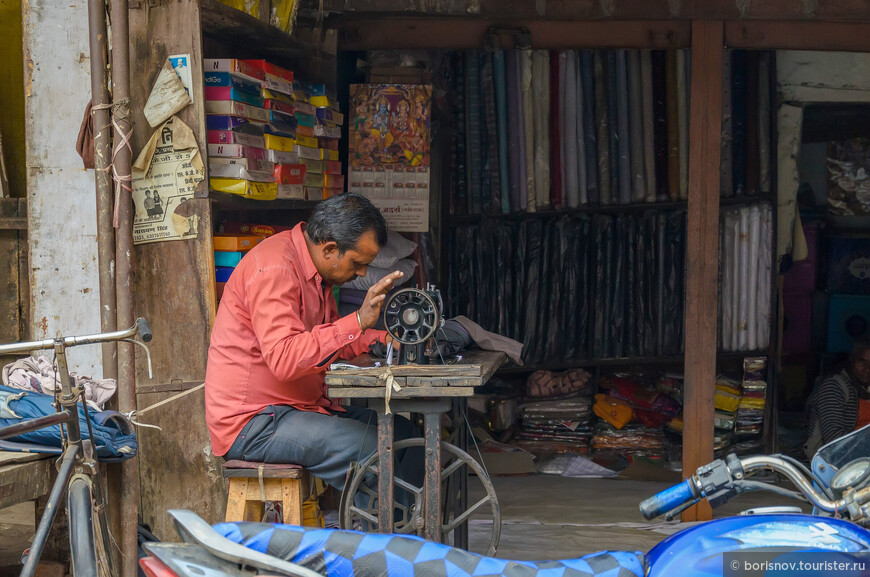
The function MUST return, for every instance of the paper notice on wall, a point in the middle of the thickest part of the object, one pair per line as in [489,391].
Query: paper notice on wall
[389,151]
[165,176]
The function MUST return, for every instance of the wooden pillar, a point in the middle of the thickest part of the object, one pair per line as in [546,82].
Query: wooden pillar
[702,254]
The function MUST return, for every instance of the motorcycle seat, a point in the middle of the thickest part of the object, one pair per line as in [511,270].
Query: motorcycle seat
[339,553]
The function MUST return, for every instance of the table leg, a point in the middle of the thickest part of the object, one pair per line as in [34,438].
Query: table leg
[432,486]
[385,473]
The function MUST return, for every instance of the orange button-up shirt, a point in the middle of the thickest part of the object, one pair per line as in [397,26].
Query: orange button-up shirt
[275,334]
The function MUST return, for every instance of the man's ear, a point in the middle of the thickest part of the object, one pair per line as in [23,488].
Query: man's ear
[330,249]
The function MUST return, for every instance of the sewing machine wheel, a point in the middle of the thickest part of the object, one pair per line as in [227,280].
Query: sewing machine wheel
[411,316]
[409,520]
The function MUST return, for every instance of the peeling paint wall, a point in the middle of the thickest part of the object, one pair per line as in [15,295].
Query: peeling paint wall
[61,194]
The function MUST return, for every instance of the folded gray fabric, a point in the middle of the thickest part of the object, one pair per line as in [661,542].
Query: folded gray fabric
[491,341]
[374,274]
[397,247]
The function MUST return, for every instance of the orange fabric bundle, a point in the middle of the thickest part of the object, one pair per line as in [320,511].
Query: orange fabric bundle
[614,411]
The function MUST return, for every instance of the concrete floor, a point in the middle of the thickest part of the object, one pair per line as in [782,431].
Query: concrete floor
[543,517]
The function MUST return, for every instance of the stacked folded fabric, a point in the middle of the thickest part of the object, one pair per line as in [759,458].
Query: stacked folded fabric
[557,417]
[750,413]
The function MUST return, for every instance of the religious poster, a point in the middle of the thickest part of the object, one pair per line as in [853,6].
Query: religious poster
[389,151]
[165,176]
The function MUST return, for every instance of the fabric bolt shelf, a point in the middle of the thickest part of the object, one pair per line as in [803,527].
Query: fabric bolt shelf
[540,131]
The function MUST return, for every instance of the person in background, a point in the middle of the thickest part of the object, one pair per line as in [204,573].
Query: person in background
[277,331]
[840,403]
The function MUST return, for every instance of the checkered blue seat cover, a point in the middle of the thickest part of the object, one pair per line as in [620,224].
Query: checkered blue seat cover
[335,553]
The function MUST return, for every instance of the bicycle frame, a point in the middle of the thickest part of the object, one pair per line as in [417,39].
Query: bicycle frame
[78,461]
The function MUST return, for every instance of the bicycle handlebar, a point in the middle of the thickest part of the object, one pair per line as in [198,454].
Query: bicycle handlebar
[140,327]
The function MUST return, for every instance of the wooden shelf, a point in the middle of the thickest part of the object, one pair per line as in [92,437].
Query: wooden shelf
[602,209]
[251,37]
[623,362]
[226,201]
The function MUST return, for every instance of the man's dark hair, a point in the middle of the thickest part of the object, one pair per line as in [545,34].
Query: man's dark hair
[343,219]
[860,344]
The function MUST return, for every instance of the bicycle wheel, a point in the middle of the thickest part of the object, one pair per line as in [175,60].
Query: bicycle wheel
[90,547]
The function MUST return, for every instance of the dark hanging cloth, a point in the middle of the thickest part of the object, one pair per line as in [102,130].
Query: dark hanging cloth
[752,154]
[85,139]
[515,129]
[474,131]
[491,188]
[532,290]
[738,116]
[502,117]
[613,115]
[460,204]
[556,192]
[660,114]
[622,127]
[587,77]
[673,106]
[602,123]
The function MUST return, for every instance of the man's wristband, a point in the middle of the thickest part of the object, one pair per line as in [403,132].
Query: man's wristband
[359,320]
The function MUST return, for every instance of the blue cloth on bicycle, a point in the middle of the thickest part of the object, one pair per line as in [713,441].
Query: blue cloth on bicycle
[339,553]
[114,438]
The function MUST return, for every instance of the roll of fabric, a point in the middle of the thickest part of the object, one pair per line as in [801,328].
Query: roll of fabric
[661,280]
[610,72]
[603,124]
[765,267]
[490,178]
[660,113]
[541,105]
[743,283]
[622,134]
[726,180]
[673,115]
[573,130]
[460,205]
[587,81]
[528,128]
[556,119]
[515,128]
[580,131]
[764,90]
[649,158]
[474,131]
[752,154]
[635,126]
[502,117]
[683,111]
[738,115]
[618,270]
[601,233]
[754,247]
[564,130]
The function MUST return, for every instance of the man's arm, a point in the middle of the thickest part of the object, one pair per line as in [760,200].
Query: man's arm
[274,299]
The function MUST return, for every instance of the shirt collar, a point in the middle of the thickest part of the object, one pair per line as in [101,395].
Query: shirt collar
[297,234]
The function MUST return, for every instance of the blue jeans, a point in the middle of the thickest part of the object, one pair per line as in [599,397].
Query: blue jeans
[325,445]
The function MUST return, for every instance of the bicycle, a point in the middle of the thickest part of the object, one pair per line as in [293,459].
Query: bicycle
[77,471]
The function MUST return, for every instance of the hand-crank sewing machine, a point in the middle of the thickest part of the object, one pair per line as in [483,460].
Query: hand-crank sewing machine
[439,509]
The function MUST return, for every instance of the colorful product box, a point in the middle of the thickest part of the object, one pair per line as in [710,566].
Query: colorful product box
[314,180]
[318,89]
[306,108]
[274,142]
[234,123]
[327,143]
[332,167]
[332,132]
[328,154]
[236,151]
[281,157]
[326,101]
[308,141]
[238,172]
[315,193]
[234,94]
[271,69]
[291,191]
[235,242]
[290,173]
[231,108]
[232,65]
[273,95]
[279,117]
[219,289]
[231,137]
[228,259]
[246,163]
[307,152]
[230,80]
[278,105]
[282,130]
[245,188]
[303,119]
[222,273]
[278,85]
[317,166]
[305,131]
[333,181]
[254,229]
[330,116]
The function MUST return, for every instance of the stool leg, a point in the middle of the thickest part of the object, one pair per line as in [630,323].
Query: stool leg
[237,500]
[292,501]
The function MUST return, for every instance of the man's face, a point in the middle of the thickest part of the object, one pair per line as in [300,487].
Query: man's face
[861,366]
[353,263]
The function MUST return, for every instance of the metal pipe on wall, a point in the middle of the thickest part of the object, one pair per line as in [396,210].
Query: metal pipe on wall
[102,162]
[122,159]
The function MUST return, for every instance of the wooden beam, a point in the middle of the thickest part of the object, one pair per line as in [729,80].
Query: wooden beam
[783,35]
[702,253]
[459,34]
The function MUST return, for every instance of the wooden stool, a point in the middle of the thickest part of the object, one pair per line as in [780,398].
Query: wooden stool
[252,484]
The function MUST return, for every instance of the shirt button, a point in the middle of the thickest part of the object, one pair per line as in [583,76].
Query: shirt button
[350,337]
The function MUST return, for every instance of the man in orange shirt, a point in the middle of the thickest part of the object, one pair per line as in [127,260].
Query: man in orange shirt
[276,332]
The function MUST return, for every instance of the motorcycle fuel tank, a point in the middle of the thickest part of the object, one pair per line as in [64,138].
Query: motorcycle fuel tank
[697,551]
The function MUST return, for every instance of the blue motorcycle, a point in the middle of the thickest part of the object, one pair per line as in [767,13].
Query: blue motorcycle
[837,485]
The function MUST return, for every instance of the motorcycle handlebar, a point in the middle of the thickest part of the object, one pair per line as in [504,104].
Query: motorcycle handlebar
[669,499]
